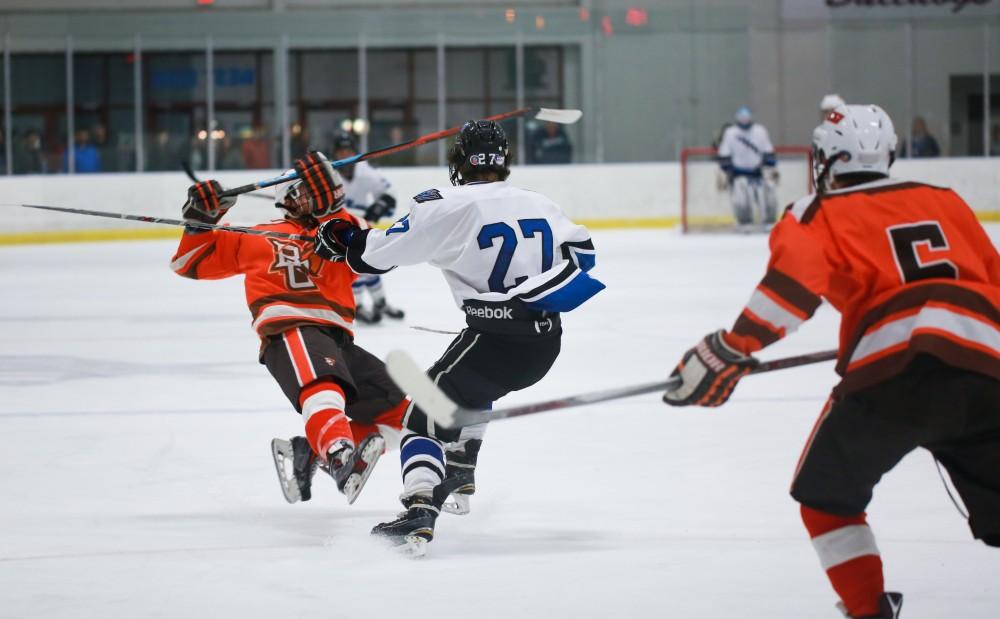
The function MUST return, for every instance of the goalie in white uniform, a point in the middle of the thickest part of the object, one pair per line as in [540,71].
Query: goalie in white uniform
[368,196]
[514,261]
[746,158]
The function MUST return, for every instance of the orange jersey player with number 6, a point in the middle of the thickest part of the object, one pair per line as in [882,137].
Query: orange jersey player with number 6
[917,281]
[303,310]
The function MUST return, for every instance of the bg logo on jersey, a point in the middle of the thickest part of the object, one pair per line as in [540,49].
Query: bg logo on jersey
[288,261]
[482,158]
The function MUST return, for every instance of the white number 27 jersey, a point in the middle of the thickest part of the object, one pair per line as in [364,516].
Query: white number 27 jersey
[493,241]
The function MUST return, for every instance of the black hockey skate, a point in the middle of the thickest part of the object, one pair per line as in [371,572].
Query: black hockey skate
[460,476]
[413,529]
[382,307]
[368,316]
[350,467]
[889,606]
[296,464]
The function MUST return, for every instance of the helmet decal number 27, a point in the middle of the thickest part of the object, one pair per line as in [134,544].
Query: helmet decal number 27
[529,229]
[906,241]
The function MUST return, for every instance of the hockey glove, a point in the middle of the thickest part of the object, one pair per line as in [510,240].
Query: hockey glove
[709,373]
[385,206]
[333,238]
[320,182]
[204,203]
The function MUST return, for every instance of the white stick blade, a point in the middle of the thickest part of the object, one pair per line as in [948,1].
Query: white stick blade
[563,117]
[412,379]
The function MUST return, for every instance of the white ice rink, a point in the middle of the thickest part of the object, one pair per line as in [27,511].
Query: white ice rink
[136,480]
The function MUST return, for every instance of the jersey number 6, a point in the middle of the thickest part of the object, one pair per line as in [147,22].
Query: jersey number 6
[529,228]
[907,238]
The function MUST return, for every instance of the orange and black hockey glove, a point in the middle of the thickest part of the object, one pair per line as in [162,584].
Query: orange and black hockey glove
[320,182]
[204,203]
[708,373]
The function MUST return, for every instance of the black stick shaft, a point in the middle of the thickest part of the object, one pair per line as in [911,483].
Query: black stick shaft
[172,222]
[626,392]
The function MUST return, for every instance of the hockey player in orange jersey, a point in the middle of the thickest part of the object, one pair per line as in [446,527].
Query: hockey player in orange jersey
[917,282]
[303,310]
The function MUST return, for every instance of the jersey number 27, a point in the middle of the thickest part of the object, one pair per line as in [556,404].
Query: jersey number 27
[529,229]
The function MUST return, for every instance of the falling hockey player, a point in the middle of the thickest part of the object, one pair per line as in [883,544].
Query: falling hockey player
[749,168]
[917,282]
[302,309]
[514,261]
[369,198]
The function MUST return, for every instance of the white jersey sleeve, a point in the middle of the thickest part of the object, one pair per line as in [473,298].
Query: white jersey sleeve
[364,188]
[493,241]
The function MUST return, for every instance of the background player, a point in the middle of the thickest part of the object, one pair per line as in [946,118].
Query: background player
[302,309]
[917,281]
[745,156]
[368,197]
[514,261]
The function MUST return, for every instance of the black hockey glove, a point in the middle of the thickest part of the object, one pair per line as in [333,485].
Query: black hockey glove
[333,238]
[204,204]
[385,206]
[320,182]
[708,373]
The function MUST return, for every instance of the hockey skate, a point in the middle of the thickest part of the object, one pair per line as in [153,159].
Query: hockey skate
[889,606]
[367,316]
[410,533]
[296,464]
[460,477]
[350,467]
[382,307]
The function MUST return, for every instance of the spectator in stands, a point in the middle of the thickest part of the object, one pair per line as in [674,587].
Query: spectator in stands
[28,157]
[108,155]
[550,144]
[86,158]
[924,144]
[995,142]
[256,150]
[230,154]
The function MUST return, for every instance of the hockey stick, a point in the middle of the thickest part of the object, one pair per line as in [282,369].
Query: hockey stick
[172,222]
[415,382]
[194,178]
[565,117]
[430,330]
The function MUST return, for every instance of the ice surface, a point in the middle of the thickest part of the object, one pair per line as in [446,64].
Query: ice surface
[137,480]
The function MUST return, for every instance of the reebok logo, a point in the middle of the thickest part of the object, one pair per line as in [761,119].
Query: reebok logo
[499,313]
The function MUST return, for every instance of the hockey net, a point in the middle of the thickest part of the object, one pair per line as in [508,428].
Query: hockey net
[706,207]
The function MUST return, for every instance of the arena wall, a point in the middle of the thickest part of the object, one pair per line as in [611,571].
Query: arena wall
[599,195]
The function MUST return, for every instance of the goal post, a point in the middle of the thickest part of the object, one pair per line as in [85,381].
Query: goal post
[706,207]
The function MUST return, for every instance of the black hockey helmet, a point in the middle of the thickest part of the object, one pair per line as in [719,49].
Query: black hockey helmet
[344,140]
[481,146]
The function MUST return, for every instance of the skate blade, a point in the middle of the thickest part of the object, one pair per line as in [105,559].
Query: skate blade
[369,455]
[413,547]
[283,454]
[458,504]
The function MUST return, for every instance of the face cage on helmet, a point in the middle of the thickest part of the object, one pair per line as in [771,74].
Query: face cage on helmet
[303,204]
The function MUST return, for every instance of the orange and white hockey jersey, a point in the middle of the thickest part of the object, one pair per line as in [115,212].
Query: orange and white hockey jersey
[286,284]
[908,266]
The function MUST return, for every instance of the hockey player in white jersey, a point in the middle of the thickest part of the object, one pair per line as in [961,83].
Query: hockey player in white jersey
[746,157]
[369,198]
[514,261]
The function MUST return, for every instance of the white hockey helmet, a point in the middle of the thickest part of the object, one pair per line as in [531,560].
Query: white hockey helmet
[830,102]
[853,139]
[297,204]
